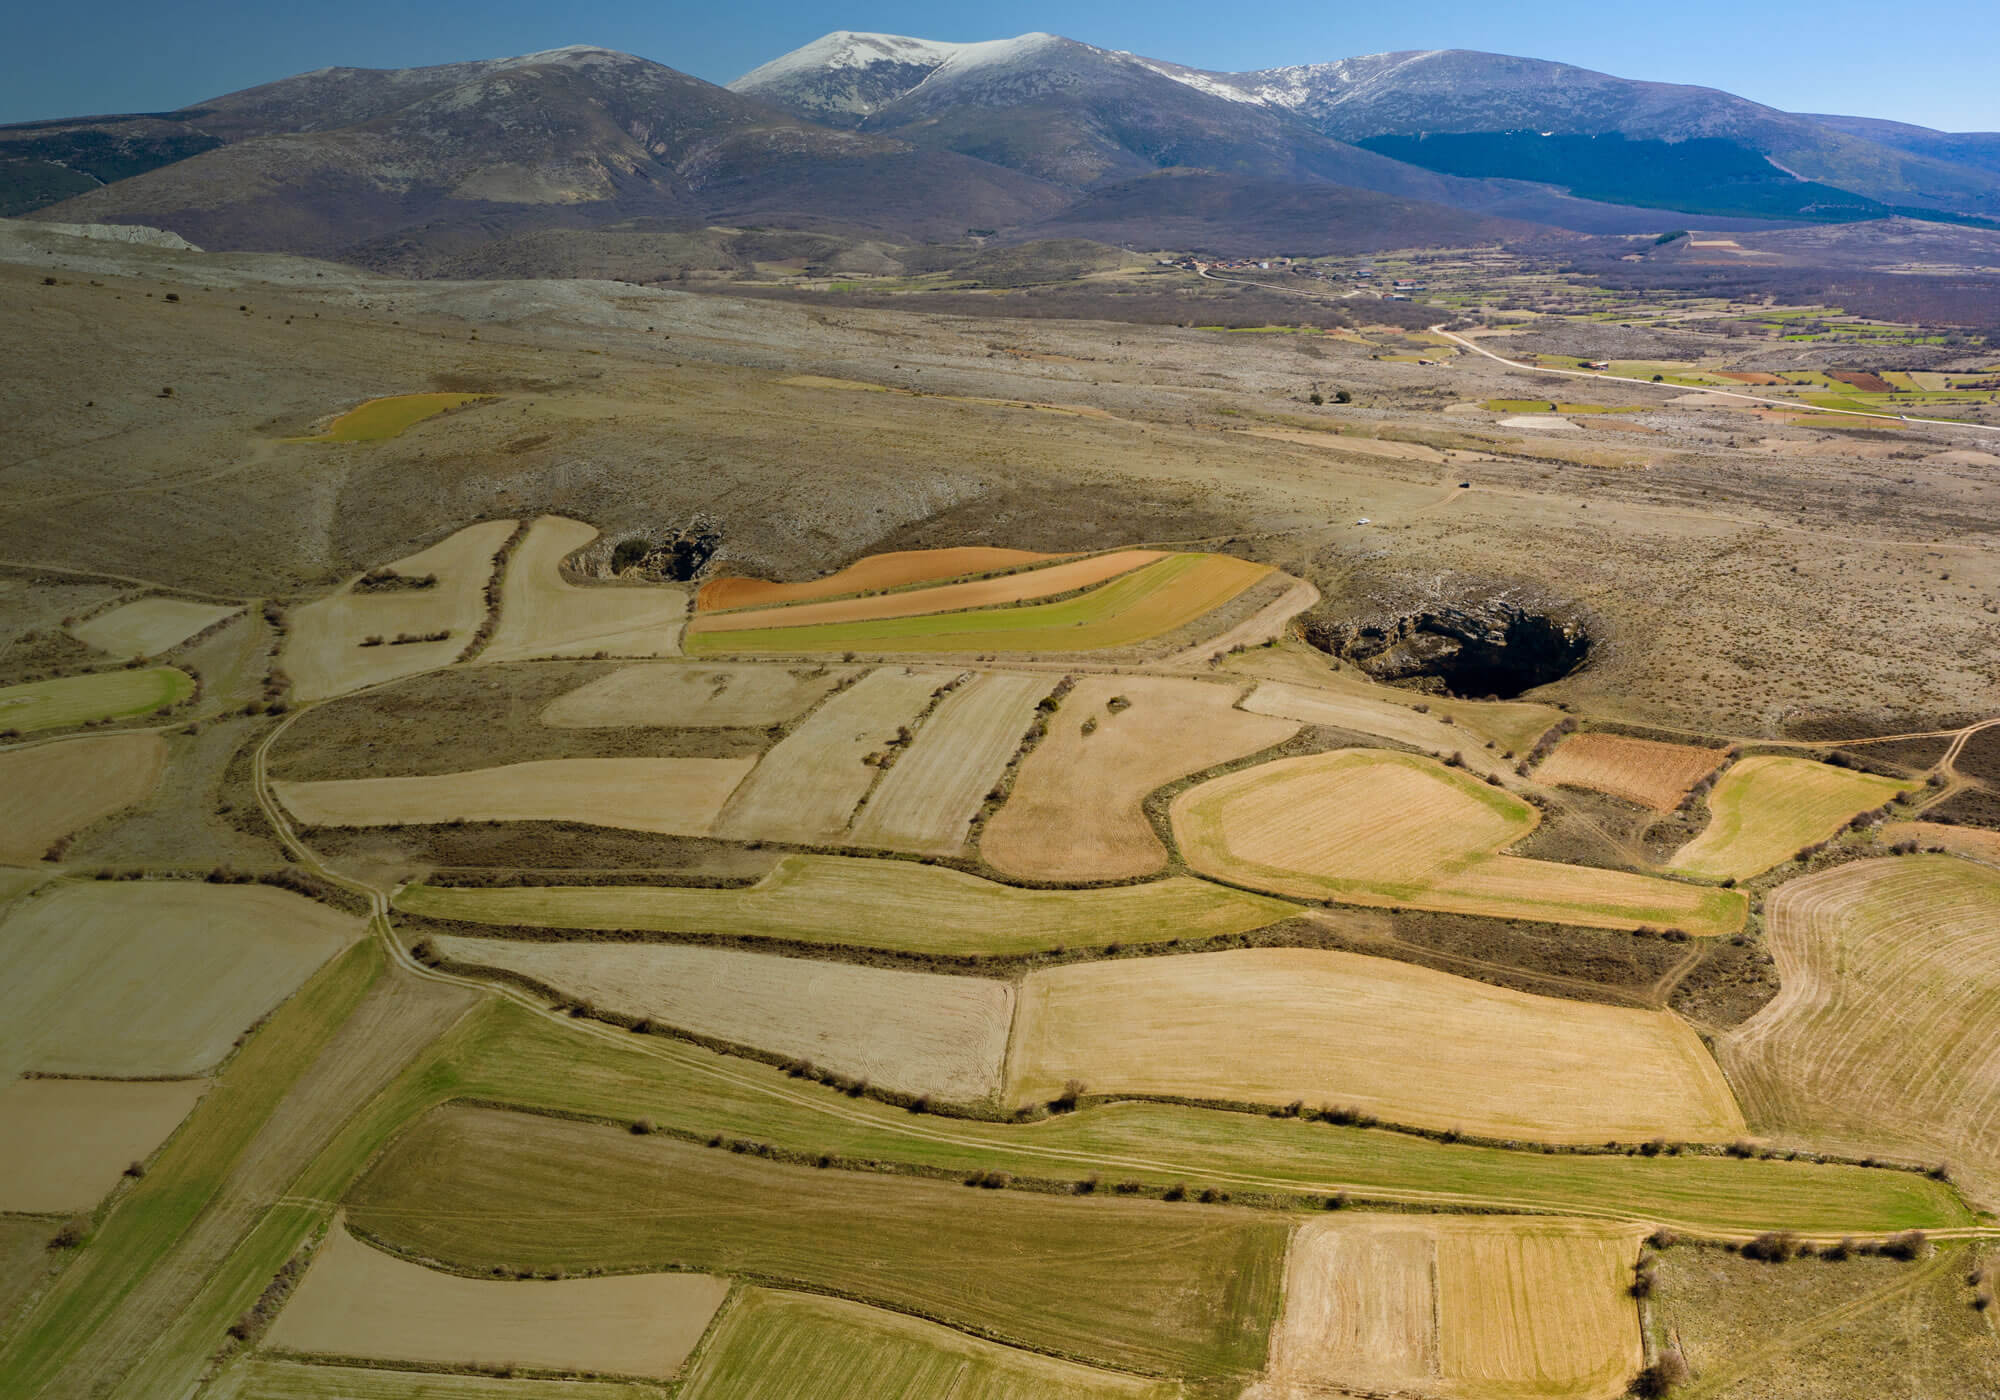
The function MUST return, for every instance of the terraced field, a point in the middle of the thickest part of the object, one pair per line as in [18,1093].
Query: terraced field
[871,574]
[1644,771]
[1767,807]
[895,905]
[917,1032]
[806,789]
[1478,1307]
[327,653]
[671,796]
[1074,813]
[778,1343]
[690,696]
[149,626]
[1884,1033]
[68,701]
[543,614]
[927,801]
[1365,826]
[51,790]
[359,1302]
[476,1188]
[151,979]
[1404,1043]
[1137,607]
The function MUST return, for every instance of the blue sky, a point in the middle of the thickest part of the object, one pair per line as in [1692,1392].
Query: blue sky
[1932,64]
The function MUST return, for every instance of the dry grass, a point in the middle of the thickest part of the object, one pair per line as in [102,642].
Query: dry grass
[1644,771]
[807,788]
[1481,1308]
[1768,806]
[1365,714]
[156,978]
[51,790]
[1971,842]
[324,654]
[149,626]
[542,614]
[1366,826]
[670,796]
[866,575]
[692,696]
[1024,587]
[899,905]
[1408,1044]
[1074,813]
[1886,1032]
[356,1301]
[67,1141]
[917,1032]
[927,801]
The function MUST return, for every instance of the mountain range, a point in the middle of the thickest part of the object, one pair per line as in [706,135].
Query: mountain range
[1034,136]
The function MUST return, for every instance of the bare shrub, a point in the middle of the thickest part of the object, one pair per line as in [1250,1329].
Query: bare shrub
[1663,1377]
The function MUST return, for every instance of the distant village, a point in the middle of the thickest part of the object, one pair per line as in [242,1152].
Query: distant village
[1400,289]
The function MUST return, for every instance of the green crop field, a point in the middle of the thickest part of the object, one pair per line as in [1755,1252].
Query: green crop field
[73,700]
[508,1054]
[144,1226]
[771,1343]
[897,905]
[1768,806]
[381,419]
[1134,607]
[480,1188]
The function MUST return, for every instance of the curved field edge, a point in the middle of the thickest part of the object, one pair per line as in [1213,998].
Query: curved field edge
[143,1225]
[1768,806]
[1146,603]
[74,700]
[377,420]
[908,907]
[770,1341]
[1464,879]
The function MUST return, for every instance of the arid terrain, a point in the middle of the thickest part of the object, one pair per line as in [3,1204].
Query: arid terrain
[567,839]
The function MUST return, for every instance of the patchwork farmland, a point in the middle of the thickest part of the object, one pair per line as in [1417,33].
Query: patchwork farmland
[981,972]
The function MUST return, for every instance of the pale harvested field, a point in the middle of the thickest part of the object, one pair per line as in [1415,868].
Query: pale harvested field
[876,571]
[1768,806]
[1974,843]
[773,1343]
[671,796]
[807,787]
[1475,1307]
[672,695]
[1075,813]
[901,905]
[323,653]
[1885,1034]
[54,789]
[64,1143]
[151,978]
[1023,587]
[1644,771]
[542,614]
[1367,826]
[1406,1043]
[927,801]
[920,1032]
[357,1301]
[1385,719]
[149,626]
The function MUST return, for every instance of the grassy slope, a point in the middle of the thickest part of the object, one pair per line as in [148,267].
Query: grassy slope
[1146,603]
[897,905]
[772,1343]
[73,700]
[509,1055]
[147,1222]
[1136,1284]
